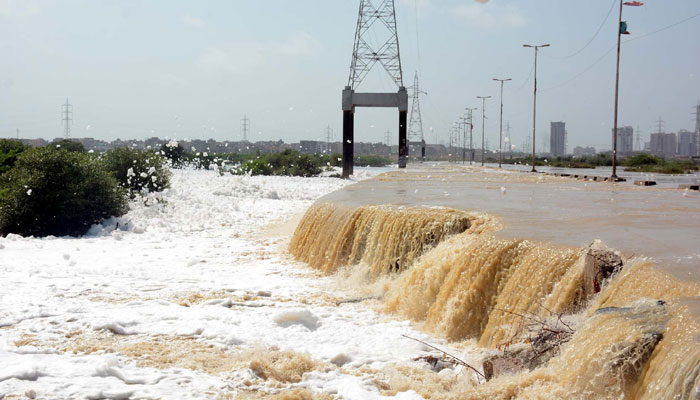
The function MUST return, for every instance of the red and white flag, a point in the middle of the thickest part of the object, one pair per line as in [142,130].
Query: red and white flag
[633,3]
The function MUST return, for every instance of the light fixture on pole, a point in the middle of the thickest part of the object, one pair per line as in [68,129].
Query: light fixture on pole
[534,104]
[483,127]
[500,135]
[622,30]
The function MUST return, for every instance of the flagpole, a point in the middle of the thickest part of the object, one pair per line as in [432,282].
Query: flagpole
[617,90]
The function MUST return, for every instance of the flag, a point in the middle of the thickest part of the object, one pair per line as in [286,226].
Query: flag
[623,28]
[633,3]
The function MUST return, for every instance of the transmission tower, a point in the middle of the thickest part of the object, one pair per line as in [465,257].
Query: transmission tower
[245,127]
[510,144]
[329,139]
[660,126]
[387,138]
[67,118]
[364,56]
[415,126]
[638,142]
[375,24]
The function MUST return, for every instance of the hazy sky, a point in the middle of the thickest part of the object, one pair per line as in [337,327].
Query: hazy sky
[192,69]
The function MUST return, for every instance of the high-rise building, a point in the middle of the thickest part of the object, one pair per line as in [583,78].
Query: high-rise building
[557,139]
[687,143]
[664,144]
[625,140]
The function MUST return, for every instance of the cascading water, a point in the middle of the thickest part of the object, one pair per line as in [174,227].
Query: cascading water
[460,279]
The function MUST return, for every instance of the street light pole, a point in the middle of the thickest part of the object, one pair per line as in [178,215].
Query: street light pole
[500,135]
[617,88]
[471,134]
[483,127]
[534,104]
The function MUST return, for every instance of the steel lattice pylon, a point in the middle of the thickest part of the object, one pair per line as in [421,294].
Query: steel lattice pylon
[415,125]
[364,56]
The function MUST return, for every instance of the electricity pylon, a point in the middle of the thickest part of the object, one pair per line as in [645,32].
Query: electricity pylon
[374,22]
[415,125]
[67,118]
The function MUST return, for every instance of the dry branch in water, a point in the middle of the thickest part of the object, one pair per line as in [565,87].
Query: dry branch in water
[449,358]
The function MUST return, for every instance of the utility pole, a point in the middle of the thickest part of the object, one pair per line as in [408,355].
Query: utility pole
[471,132]
[245,127]
[500,136]
[67,118]
[534,103]
[622,30]
[17,133]
[483,127]
[463,128]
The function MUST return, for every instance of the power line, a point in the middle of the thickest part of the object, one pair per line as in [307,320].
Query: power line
[612,6]
[663,29]
[581,73]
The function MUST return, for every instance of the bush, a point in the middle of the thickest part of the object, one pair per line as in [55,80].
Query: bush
[58,193]
[9,152]
[256,167]
[67,145]
[137,170]
[174,152]
[641,159]
[372,161]
[287,163]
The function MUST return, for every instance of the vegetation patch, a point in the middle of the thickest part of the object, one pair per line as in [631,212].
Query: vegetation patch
[138,171]
[57,192]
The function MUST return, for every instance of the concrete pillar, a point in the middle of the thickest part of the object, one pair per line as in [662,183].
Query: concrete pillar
[403,143]
[348,142]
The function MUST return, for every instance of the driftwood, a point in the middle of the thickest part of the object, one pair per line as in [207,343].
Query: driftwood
[544,337]
[447,358]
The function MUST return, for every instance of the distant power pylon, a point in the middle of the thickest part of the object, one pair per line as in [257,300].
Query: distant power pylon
[67,118]
[510,144]
[329,139]
[638,142]
[245,127]
[415,125]
[660,126]
[387,138]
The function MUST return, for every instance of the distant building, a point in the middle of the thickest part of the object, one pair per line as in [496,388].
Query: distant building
[687,143]
[664,144]
[557,139]
[625,140]
[584,151]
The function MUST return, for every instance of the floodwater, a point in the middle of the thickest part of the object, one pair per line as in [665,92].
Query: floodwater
[659,222]
[520,261]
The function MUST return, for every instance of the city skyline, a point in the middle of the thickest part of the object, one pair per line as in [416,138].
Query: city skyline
[192,71]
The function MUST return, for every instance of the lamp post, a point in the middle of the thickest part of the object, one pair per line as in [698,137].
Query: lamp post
[471,131]
[500,135]
[534,104]
[483,127]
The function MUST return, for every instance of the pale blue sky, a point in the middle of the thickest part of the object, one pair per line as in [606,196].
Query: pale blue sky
[191,69]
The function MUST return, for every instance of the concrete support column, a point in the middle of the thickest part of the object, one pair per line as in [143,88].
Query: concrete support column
[403,143]
[348,142]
